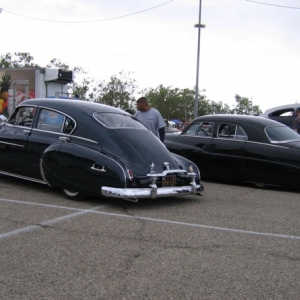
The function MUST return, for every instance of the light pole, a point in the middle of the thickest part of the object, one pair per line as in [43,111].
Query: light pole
[199,26]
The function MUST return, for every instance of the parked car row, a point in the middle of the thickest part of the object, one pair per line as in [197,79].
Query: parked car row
[86,148]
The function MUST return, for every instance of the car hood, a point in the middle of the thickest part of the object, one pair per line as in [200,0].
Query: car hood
[138,149]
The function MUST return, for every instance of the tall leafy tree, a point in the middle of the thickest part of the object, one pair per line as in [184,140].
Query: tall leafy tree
[163,99]
[17,60]
[119,91]
[244,106]
[185,109]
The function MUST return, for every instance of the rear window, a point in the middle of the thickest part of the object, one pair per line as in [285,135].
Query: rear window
[286,112]
[115,120]
[281,134]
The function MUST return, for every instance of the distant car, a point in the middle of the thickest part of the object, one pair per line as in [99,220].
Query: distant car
[241,149]
[170,126]
[284,114]
[86,148]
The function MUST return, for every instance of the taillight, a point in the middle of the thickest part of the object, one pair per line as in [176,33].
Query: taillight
[130,174]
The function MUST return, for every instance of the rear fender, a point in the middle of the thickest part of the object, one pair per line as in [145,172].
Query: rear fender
[187,165]
[81,168]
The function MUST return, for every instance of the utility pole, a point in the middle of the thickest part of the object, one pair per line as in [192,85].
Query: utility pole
[199,26]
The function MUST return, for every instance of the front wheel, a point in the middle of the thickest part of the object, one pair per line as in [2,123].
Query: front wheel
[73,195]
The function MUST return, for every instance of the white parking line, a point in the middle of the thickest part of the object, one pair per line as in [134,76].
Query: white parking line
[55,220]
[96,211]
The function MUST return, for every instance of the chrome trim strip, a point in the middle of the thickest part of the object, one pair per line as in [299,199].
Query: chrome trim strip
[18,126]
[193,136]
[65,134]
[17,145]
[270,145]
[42,173]
[23,177]
[82,138]
[48,131]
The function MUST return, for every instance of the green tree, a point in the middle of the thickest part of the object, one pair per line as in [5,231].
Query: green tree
[164,99]
[119,91]
[244,106]
[207,107]
[17,60]
[185,109]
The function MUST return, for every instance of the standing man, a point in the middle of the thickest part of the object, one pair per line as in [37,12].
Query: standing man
[296,123]
[150,117]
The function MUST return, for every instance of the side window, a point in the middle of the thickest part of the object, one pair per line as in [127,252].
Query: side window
[50,120]
[193,129]
[231,131]
[240,134]
[206,129]
[287,112]
[69,125]
[201,129]
[226,130]
[22,116]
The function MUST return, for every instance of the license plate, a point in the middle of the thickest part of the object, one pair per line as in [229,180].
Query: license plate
[169,181]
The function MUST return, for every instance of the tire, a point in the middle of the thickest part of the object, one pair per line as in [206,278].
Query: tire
[73,195]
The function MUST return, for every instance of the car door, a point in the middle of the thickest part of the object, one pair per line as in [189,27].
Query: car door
[13,138]
[50,127]
[226,152]
[271,164]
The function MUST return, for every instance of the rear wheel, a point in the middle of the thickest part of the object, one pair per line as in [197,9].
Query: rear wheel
[73,195]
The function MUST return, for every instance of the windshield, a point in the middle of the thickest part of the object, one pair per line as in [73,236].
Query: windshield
[281,134]
[115,120]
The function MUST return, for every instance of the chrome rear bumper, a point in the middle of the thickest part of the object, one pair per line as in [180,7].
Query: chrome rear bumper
[152,192]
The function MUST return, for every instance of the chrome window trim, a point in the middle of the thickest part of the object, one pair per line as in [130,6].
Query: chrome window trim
[266,144]
[278,142]
[60,112]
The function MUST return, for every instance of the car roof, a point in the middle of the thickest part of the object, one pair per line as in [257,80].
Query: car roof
[81,111]
[239,118]
[286,106]
[66,105]
[253,125]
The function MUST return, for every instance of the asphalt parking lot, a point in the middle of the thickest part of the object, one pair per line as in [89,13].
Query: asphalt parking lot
[233,242]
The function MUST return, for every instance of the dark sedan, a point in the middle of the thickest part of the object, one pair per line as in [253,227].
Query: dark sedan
[244,149]
[87,148]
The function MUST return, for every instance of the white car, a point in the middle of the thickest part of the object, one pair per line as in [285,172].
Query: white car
[170,127]
[284,114]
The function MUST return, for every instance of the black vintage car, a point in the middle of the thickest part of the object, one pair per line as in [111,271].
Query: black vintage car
[87,148]
[244,149]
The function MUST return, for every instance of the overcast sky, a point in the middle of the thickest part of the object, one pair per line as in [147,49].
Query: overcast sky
[249,48]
